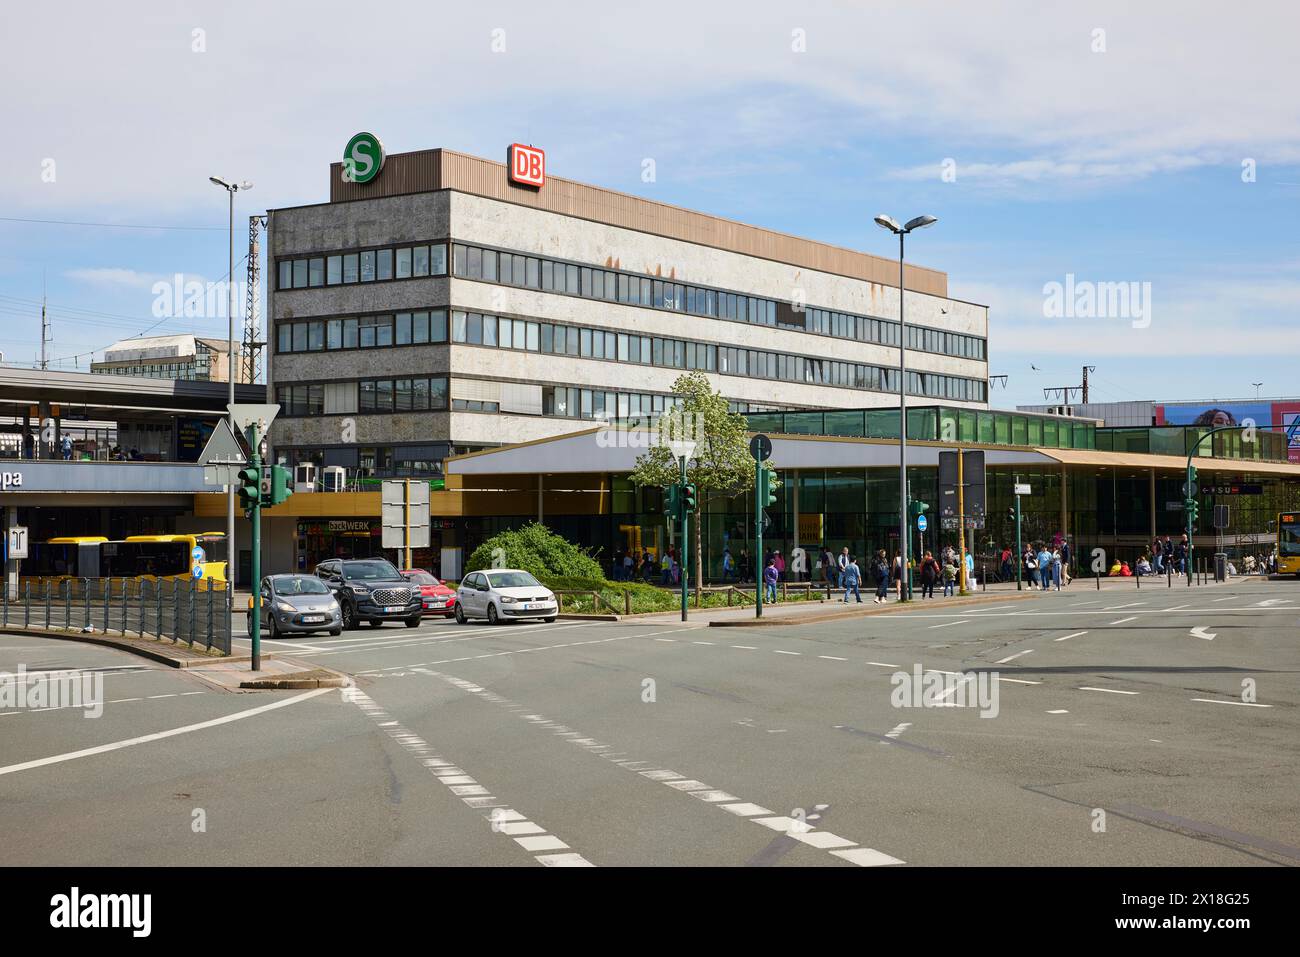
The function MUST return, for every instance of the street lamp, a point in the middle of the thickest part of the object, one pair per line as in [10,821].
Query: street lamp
[1257,385]
[888,222]
[231,189]
[683,438]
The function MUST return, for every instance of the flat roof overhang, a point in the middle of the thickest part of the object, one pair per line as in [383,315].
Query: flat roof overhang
[612,450]
[97,395]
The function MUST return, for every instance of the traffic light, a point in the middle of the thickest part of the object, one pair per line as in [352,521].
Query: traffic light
[276,485]
[766,488]
[672,498]
[689,499]
[917,509]
[1011,513]
[1193,509]
[250,486]
[1191,477]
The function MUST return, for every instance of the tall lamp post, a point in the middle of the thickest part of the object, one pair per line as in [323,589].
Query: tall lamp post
[231,189]
[888,222]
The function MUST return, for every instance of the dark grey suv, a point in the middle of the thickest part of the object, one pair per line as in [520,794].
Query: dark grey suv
[370,589]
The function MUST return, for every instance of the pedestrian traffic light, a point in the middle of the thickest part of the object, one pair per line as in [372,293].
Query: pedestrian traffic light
[689,499]
[766,487]
[1193,508]
[276,485]
[917,509]
[672,498]
[250,486]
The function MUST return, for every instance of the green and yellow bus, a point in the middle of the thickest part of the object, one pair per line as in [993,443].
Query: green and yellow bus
[1288,543]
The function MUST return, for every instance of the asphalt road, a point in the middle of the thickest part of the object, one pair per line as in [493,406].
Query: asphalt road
[1116,734]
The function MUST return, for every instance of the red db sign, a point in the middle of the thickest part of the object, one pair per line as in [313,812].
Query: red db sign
[527,165]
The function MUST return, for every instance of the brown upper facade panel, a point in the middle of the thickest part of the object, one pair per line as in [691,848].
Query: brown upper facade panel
[428,170]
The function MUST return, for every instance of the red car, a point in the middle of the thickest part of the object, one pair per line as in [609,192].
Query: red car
[435,597]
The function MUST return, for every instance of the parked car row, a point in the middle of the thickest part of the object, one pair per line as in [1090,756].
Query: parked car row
[345,592]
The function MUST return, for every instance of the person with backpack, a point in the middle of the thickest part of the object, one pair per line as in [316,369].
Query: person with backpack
[880,573]
[1031,566]
[930,572]
[949,579]
[852,577]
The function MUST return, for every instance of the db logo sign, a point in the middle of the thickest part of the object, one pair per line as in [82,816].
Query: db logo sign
[527,165]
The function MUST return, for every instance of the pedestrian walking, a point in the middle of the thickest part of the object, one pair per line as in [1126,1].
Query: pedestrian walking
[770,577]
[852,578]
[880,569]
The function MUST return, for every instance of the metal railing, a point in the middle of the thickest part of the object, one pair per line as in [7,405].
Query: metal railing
[168,609]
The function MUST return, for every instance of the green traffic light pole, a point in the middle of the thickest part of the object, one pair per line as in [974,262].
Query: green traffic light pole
[1189,503]
[1020,557]
[758,537]
[255,521]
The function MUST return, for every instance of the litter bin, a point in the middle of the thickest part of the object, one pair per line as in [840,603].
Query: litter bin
[1220,566]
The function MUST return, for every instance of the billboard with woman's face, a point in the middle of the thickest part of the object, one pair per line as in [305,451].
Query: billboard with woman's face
[1216,415]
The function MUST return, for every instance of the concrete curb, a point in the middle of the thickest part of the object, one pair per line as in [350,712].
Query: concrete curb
[791,620]
[159,655]
[577,617]
[293,683]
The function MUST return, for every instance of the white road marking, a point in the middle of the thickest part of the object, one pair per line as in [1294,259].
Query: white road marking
[862,856]
[1200,632]
[1122,620]
[947,623]
[1068,637]
[832,658]
[898,730]
[509,822]
[1108,690]
[1176,608]
[1229,598]
[1132,604]
[780,652]
[160,735]
[881,664]
[1027,651]
[1059,711]
[702,642]
[1019,681]
[745,647]
[1243,704]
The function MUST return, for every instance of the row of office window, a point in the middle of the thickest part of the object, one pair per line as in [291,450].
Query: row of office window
[404,394]
[366,265]
[518,269]
[515,269]
[502,332]
[362,332]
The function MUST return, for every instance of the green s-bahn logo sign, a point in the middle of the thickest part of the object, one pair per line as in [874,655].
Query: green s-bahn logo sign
[363,158]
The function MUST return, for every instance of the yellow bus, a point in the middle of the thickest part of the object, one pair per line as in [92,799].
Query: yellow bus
[1288,543]
[200,556]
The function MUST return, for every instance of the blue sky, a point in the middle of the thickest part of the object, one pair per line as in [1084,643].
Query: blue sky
[1115,156]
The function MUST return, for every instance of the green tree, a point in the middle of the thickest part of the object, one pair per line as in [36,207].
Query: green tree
[721,466]
[535,548]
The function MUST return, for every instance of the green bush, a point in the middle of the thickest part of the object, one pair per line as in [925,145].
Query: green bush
[535,548]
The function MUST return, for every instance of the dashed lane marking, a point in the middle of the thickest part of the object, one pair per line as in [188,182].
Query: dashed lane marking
[1076,634]
[844,848]
[1123,620]
[1242,704]
[532,837]
[1018,654]
[1107,690]
[947,623]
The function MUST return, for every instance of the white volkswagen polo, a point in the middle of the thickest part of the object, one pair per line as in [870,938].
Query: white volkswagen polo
[504,594]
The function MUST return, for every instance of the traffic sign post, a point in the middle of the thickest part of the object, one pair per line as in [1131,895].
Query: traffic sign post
[405,516]
[760,446]
[1021,489]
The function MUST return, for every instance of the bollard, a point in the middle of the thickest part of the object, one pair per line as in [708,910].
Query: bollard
[126,603]
[47,605]
[107,586]
[27,606]
[85,599]
[1169,576]
[67,604]
[209,641]
[158,612]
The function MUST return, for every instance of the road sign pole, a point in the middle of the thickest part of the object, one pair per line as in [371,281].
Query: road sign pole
[686,549]
[406,524]
[1020,556]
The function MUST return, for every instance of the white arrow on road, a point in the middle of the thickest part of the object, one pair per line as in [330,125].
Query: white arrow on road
[1270,602]
[1200,632]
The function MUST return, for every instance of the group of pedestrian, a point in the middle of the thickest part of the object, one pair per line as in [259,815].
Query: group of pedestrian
[1047,566]
[1165,557]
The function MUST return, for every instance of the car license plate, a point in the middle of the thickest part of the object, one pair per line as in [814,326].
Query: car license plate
[390,609]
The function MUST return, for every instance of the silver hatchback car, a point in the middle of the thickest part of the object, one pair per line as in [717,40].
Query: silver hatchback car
[504,594]
[297,604]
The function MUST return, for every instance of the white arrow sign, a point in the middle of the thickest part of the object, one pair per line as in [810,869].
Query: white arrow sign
[1200,632]
[1270,602]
